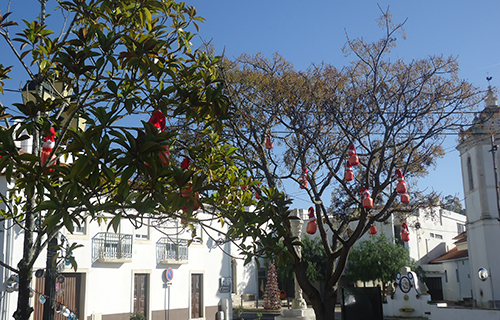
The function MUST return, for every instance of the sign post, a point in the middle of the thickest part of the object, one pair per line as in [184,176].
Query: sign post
[168,275]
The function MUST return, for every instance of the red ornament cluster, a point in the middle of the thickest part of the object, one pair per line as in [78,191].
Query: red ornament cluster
[405,232]
[185,164]
[401,187]
[353,156]
[367,200]
[269,141]
[48,145]
[158,120]
[349,175]
[303,178]
[311,225]
[351,162]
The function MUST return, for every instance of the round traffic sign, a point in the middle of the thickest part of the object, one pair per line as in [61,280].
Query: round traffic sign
[170,274]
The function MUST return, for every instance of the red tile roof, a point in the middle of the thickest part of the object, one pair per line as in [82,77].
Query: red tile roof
[452,255]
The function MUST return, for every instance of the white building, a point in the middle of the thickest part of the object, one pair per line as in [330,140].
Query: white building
[432,234]
[123,273]
[456,268]
[481,202]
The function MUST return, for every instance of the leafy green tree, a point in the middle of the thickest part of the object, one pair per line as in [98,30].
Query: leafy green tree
[114,61]
[377,259]
[394,112]
[453,203]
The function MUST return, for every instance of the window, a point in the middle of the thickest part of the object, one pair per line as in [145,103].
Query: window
[438,236]
[460,228]
[397,235]
[432,235]
[197,234]
[196,295]
[142,233]
[469,173]
[458,277]
[80,229]
[445,275]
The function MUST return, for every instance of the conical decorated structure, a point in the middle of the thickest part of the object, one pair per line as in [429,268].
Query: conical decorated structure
[272,299]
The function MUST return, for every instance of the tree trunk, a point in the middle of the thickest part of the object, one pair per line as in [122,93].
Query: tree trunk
[24,309]
[325,310]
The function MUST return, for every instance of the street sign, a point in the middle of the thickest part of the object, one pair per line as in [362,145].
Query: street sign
[169,274]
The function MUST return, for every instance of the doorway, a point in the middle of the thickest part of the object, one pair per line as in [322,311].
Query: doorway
[196,295]
[141,289]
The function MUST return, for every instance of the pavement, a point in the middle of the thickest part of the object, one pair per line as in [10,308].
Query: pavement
[270,316]
[252,313]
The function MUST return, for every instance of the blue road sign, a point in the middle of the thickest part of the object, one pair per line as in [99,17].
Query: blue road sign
[170,274]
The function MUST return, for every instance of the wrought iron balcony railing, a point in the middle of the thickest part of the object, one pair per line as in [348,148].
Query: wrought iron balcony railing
[171,251]
[112,247]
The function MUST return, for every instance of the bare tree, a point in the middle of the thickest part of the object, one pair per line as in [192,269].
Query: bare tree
[394,113]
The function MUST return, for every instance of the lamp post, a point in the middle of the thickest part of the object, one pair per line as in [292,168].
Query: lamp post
[299,309]
[296,230]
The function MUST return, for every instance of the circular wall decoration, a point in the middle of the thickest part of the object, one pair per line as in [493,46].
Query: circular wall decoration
[483,274]
[405,284]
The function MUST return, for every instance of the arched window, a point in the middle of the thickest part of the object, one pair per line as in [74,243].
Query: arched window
[469,173]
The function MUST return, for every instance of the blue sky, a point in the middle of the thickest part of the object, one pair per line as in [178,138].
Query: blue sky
[306,32]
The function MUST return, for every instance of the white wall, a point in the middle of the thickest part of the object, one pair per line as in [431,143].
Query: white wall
[457,289]
[109,286]
[462,314]
[435,236]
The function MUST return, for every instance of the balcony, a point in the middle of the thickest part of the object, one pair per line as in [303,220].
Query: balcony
[171,251]
[112,247]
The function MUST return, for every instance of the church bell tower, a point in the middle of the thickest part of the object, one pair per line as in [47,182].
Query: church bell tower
[479,159]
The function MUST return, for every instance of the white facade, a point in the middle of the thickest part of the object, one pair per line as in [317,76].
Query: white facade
[483,228]
[457,281]
[431,231]
[107,284]
[431,236]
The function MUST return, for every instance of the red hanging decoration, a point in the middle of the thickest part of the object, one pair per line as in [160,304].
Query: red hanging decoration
[158,120]
[405,198]
[303,179]
[373,230]
[257,192]
[353,157]
[367,201]
[185,164]
[349,175]
[188,193]
[311,225]
[405,232]
[401,186]
[48,145]
[269,141]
